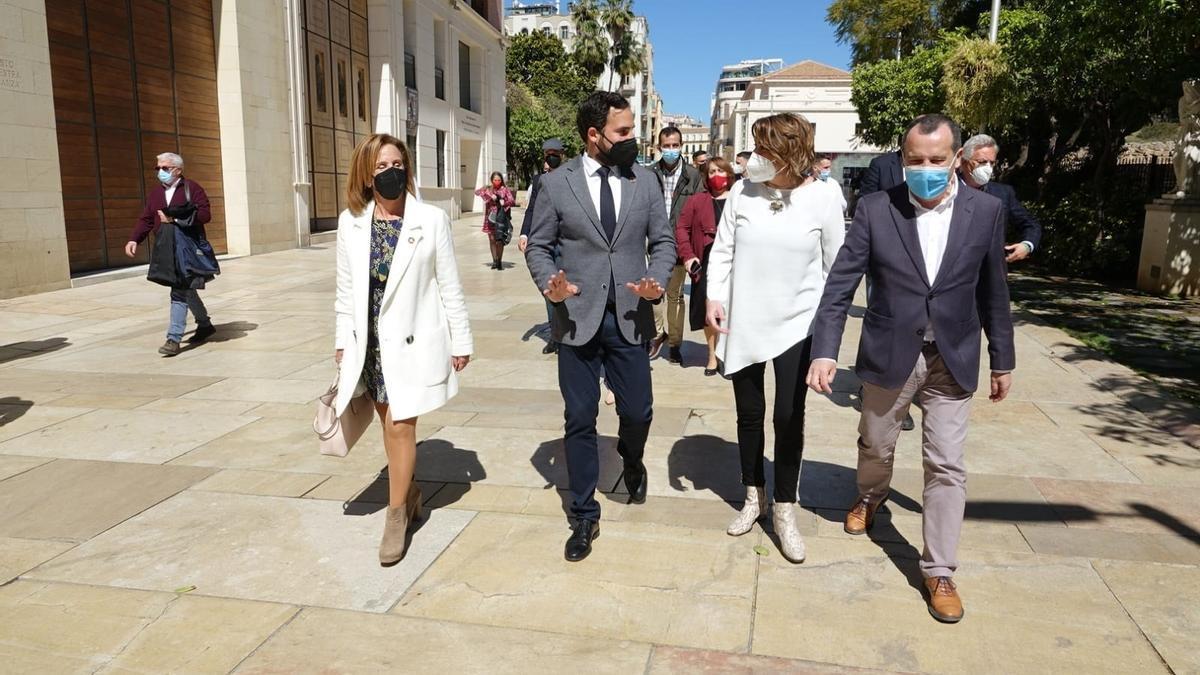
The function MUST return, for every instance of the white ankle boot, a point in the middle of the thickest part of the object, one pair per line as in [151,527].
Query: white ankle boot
[756,503]
[791,543]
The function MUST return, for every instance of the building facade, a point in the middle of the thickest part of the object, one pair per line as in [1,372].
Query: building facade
[820,93]
[731,84]
[547,17]
[265,101]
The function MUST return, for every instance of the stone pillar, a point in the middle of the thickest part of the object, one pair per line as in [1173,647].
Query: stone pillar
[254,92]
[33,239]
[1170,257]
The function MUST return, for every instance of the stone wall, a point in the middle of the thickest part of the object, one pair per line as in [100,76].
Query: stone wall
[33,245]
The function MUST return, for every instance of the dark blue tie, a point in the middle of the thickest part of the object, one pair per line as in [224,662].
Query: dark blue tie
[608,209]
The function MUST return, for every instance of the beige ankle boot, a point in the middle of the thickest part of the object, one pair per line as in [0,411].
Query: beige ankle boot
[791,544]
[395,527]
[395,532]
[756,503]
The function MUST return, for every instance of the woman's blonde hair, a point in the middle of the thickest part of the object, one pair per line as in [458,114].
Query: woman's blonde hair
[359,184]
[788,138]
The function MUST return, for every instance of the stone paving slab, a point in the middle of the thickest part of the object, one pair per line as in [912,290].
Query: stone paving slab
[18,556]
[124,436]
[320,640]
[296,551]
[503,571]
[76,500]
[849,605]
[1163,599]
[51,627]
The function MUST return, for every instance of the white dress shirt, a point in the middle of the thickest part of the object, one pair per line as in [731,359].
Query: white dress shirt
[592,168]
[933,230]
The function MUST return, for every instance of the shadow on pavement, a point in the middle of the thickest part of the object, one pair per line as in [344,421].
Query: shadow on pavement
[437,461]
[12,408]
[709,463]
[30,348]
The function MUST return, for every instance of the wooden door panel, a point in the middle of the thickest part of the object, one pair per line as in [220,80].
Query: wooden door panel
[77,161]
[113,93]
[108,28]
[156,102]
[120,174]
[151,33]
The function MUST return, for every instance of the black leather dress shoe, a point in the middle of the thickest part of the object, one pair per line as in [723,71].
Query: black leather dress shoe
[675,355]
[550,348]
[907,424]
[579,544]
[635,483]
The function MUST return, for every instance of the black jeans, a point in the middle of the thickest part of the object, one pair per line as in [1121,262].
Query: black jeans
[626,370]
[791,367]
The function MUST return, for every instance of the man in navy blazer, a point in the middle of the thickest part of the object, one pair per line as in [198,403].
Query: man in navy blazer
[979,162]
[883,173]
[933,248]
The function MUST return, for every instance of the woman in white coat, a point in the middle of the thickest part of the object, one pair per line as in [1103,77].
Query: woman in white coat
[402,328]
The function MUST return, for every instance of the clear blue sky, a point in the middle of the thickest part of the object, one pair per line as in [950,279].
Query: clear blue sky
[692,39]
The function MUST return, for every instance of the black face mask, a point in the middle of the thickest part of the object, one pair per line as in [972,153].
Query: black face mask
[553,161]
[390,183]
[620,154]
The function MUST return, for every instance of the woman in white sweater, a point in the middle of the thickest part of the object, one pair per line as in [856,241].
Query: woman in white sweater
[776,242]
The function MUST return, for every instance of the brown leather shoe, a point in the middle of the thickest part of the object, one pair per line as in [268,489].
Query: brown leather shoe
[944,603]
[861,516]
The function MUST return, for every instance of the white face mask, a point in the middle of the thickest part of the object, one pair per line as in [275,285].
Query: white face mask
[759,169]
[737,169]
[982,174]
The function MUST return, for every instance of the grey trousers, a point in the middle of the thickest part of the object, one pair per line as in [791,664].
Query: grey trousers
[946,408]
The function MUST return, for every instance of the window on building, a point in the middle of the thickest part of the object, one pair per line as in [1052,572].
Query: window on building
[465,98]
[410,71]
[411,142]
[439,59]
[564,32]
[441,158]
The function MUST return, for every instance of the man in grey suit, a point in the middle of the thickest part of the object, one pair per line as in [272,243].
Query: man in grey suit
[603,215]
[935,252]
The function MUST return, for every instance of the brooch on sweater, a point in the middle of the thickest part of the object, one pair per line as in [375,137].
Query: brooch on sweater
[776,201]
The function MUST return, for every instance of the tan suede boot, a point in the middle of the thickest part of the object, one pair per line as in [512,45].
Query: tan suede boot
[395,527]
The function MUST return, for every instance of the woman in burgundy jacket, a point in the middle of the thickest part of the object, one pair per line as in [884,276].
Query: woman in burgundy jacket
[694,234]
[496,196]
[163,202]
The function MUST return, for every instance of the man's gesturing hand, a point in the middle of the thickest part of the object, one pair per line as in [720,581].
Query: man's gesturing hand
[559,288]
[820,376]
[646,288]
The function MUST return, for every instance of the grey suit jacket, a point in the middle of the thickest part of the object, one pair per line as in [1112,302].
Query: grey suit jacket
[565,217]
[970,292]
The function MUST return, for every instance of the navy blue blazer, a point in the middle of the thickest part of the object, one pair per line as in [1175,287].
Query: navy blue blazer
[534,185]
[883,173]
[1019,218]
[969,293]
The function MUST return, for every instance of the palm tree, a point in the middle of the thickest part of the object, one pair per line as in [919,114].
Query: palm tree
[591,45]
[627,55]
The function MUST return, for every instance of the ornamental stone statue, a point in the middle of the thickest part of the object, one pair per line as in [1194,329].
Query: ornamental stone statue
[1187,147]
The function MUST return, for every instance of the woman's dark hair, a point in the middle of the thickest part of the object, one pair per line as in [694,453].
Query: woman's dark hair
[496,174]
[593,112]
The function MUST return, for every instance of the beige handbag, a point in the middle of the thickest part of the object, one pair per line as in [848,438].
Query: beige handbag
[336,435]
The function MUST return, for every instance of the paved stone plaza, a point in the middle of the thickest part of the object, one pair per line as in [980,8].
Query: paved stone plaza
[173,515]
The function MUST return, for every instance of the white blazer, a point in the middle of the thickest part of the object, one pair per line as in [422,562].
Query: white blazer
[423,316]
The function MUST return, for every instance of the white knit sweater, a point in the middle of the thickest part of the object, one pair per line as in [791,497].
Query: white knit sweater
[768,268]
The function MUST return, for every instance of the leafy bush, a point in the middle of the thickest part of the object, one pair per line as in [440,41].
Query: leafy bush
[1085,237]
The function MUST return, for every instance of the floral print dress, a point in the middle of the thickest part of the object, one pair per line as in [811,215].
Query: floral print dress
[384,235]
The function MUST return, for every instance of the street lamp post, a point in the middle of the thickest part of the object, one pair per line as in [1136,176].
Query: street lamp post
[995,21]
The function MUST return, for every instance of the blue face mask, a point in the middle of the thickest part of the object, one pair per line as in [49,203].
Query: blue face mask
[671,156]
[165,176]
[824,175]
[926,182]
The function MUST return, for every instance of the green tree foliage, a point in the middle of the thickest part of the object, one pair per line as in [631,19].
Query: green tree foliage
[538,61]
[591,41]
[628,57]
[888,94]
[980,86]
[545,85]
